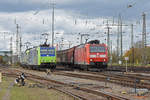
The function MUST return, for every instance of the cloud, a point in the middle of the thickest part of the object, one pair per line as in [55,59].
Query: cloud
[29,5]
[71,18]
[32,27]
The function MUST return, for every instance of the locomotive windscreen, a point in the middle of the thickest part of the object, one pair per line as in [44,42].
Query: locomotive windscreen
[47,51]
[97,49]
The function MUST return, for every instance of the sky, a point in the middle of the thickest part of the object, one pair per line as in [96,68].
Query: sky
[72,17]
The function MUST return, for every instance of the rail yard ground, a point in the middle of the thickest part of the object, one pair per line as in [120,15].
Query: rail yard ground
[75,84]
[31,91]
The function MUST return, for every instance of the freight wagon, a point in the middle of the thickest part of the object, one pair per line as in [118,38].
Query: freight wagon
[39,57]
[66,57]
[85,56]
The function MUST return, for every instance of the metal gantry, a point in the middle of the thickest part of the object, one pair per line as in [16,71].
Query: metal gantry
[17,39]
[53,27]
[144,39]
[132,44]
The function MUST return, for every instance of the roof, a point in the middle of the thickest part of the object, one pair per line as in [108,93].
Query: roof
[5,51]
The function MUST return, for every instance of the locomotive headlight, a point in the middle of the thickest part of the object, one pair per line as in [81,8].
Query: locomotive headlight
[92,56]
[102,55]
[91,59]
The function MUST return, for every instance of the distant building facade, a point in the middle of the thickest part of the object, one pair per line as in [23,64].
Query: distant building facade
[6,57]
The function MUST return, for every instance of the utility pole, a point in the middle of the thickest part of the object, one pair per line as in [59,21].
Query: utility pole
[121,45]
[111,53]
[118,35]
[53,12]
[119,38]
[111,48]
[144,39]
[20,45]
[11,50]
[108,38]
[132,45]
[131,35]
[17,40]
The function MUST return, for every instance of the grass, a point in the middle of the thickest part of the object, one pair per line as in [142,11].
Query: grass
[3,86]
[24,93]
[27,93]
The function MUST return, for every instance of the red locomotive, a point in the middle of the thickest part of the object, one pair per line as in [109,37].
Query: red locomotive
[89,55]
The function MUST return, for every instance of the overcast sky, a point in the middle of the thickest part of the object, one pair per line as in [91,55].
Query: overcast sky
[71,17]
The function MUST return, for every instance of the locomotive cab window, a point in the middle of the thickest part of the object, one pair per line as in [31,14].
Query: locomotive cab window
[97,49]
[47,51]
[51,51]
[43,51]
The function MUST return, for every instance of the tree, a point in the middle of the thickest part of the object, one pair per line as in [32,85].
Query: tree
[137,55]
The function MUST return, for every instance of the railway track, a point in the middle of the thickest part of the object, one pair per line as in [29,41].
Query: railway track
[121,80]
[130,80]
[64,86]
[130,68]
